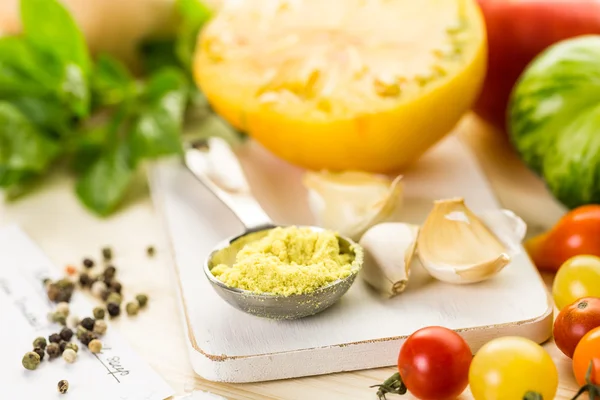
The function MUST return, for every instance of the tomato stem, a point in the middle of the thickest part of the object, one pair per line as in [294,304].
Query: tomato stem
[533,396]
[592,389]
[393,385]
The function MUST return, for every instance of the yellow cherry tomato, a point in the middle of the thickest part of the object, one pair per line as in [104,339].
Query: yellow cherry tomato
[578,277]
[507,368]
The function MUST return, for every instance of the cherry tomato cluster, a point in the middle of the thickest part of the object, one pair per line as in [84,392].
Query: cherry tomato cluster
[435,363]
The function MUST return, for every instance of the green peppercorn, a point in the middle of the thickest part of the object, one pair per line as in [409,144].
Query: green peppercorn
[88,263]
[66,334]
[113,309]
[80,331]
[31,360]
[60,318]
[110,272]
[86,338]
[95,346]
[150,251]
[100,327]
[132,308]
[142,300]
[63,386]
[114,298]
[54,338]
[107,253]
[115,286]
[72,346]
[99,313]
[40,352]
[40,342]
[88,323]
[53,350]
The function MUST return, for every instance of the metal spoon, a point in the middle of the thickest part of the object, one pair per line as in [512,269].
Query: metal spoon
[228,184]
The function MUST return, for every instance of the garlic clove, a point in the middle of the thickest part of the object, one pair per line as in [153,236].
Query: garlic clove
[351,202]
[457,246]
[388,248]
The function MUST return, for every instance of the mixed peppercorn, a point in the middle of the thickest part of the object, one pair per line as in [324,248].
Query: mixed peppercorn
[88,330]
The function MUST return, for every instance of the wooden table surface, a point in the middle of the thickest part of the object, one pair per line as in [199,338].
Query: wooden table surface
[55,220]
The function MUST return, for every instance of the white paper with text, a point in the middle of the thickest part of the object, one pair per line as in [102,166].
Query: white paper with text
[117,373]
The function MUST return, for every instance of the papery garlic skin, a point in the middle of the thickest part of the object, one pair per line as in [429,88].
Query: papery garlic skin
[388,251]
[457,246]
[351,202]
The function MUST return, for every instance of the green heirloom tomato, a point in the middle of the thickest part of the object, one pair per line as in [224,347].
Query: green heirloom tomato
[554,119]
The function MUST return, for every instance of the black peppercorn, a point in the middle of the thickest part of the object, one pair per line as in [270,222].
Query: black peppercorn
[66,334]
[88,263]
[110,272]
[63,297]
[63,386]
[88,323]
[113,309]
[40,352]
[116,286]
[107,253]
[54,338]
[86,337]
[62,346]
[150,251]
[85,280]
[53,350]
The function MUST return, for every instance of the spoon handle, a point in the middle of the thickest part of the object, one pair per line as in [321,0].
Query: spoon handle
[214,164]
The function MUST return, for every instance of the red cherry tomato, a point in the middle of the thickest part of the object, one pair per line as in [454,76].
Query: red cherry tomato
[576,233]
[574,321]
[434,363]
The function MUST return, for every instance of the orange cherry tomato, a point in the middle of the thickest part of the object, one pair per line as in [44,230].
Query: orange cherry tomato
[576,233]
[586,353]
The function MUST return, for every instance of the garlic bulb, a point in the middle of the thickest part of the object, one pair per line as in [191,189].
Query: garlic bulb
[389,249]
[352,202]
[456,246]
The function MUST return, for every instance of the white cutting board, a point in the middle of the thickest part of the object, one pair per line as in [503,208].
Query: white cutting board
[362,330]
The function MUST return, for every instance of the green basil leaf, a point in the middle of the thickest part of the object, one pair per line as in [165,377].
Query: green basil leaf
[9,177]
[50,27]
[25,70]
[104,184]
[158,53]
[74,90]
[111,82]
[22,145]
[195,14]
[46,113]
[28,71]
[157,130]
